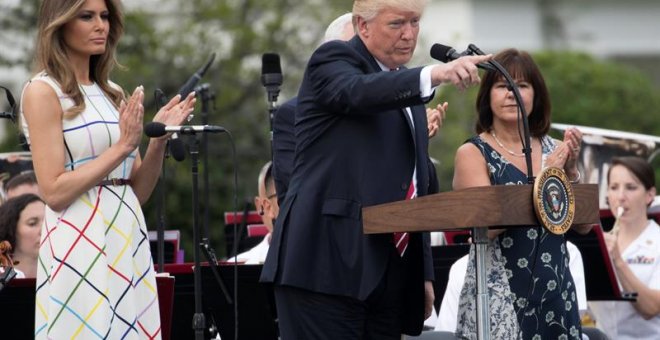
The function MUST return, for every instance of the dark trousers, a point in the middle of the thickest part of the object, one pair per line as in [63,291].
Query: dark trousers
[306,315]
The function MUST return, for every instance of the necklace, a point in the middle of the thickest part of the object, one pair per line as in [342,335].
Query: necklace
[492,133]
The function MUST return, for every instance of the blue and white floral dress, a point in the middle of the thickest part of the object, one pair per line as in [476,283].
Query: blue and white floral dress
[531,291]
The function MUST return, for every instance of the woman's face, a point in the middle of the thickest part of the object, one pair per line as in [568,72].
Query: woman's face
[28,230]
[503,102]
[625,190]
[87,33]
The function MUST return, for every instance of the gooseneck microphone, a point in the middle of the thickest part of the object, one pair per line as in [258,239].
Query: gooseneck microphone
[446,54]
[189,85]
[155,129]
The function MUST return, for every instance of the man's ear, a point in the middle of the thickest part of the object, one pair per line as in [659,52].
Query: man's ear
[362,26]
[258,204]
[266,208]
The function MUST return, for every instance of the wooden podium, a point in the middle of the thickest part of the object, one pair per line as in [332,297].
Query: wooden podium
[496,206]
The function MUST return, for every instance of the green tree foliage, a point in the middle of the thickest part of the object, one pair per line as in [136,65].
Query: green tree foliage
[163,46]
[584,91]
[18,21]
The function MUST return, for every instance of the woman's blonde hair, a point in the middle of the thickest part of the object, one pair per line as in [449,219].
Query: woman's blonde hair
[51,54]
[368,9]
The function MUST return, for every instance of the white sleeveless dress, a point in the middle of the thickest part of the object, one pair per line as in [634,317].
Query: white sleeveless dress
[96,277]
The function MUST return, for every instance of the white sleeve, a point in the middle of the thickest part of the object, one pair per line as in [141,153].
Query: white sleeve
[448,315]
[425,88]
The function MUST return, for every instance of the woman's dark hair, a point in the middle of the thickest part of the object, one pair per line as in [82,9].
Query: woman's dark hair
[10,213]
[520,66]
[638,166]
[24,178]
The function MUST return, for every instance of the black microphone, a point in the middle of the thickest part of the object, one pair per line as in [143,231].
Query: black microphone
[189,86]
[271,75]
[176,147]
[155,129]
[446,54]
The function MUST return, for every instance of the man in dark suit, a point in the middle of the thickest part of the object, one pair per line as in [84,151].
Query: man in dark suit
[361,140]
[284,146]
[284,139]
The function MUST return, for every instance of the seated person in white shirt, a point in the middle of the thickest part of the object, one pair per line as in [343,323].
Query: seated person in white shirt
[449,307]
[634,248]
[266,204]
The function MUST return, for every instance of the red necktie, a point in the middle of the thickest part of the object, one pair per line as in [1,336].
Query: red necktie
[401,238]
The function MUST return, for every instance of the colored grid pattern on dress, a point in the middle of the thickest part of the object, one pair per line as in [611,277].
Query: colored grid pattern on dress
[95,277]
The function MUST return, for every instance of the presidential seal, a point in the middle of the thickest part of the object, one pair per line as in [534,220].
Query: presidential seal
[554,201]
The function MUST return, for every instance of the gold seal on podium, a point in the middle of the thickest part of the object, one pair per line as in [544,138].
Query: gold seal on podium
[554,200]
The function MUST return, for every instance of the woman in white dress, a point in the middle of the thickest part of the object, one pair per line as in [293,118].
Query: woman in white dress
[95,277]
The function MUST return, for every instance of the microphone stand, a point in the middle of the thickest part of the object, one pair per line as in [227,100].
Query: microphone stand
[160,229]
[206,96]
[199,320]
[480,235]
[272,98]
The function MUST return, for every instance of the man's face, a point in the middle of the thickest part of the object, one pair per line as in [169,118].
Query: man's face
[391,36]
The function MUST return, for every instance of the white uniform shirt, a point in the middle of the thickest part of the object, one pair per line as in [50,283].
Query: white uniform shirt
[256,255]
[619,319]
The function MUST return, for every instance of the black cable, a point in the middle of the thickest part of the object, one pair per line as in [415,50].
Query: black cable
[235,161]
[527,150]
[237,234]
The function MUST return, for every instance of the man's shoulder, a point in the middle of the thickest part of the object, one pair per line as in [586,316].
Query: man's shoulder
[286,112]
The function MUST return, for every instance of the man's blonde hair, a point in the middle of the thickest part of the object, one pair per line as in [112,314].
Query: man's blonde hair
[368,9]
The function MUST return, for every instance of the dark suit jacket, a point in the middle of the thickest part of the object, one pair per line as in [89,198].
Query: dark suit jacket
[354,148]
[284,145]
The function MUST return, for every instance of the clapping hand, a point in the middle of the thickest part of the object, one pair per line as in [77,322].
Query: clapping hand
[435,117]
[566,155]
[131,115]
[176,111]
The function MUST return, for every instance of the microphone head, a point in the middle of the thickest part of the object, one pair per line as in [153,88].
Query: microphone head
[270,63]
[442,53]
[154,129]
[203,70]
[271,71]
[177,149]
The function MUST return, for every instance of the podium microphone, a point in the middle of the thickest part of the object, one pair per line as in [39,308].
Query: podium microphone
[446,54]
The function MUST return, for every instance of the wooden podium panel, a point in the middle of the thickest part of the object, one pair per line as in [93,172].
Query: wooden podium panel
[488,206]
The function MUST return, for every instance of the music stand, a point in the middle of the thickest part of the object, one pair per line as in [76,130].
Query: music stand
[465,208]
[18,302]
[256,313]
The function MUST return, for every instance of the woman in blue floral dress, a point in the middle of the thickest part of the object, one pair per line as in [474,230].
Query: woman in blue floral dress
[531,291]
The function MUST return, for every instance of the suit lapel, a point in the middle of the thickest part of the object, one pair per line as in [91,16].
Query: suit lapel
[411,126]
[373,68]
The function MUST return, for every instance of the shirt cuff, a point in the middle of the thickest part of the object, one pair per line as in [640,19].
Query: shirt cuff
[425,88]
